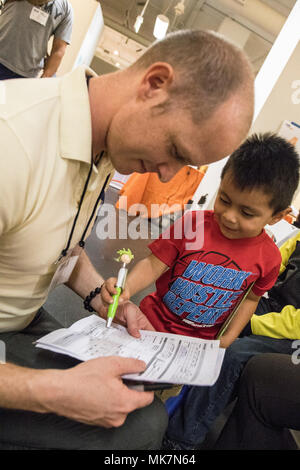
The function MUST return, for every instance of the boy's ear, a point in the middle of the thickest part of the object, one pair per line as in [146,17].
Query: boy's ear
[279,215]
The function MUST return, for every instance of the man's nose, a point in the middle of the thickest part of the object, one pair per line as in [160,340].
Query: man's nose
[166,171]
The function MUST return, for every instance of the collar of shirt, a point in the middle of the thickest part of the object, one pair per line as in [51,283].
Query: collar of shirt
[75,124]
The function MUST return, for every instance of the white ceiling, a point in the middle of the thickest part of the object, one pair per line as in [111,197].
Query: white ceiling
[119,17]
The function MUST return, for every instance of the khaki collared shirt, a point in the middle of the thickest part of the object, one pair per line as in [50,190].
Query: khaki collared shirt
[45,156]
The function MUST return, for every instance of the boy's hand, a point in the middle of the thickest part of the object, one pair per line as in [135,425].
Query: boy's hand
[109,289]
[129,315]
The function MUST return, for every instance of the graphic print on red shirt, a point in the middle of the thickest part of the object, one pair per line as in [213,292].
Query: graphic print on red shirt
[201,287]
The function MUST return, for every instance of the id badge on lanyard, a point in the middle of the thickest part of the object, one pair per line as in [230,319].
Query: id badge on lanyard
[69,257]
[65,268]
[39,16]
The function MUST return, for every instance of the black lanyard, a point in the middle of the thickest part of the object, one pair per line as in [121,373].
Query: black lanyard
[101,196]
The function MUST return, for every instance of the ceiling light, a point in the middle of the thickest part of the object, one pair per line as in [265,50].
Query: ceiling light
[138,23]
[116,52]
[140,18]
[161,26]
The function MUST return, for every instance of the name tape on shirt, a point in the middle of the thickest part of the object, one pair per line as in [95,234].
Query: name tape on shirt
[39,16]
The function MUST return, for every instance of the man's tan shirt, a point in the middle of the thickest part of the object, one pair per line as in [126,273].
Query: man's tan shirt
[45,135]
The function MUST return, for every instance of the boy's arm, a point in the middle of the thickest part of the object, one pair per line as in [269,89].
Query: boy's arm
[144,273]
[240,320]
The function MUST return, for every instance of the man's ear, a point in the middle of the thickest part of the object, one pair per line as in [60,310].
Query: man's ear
[279,216]
[156,80]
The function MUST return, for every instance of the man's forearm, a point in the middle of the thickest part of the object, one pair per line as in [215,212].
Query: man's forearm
[21,387]
[52,64]
[91,392]
[84,277]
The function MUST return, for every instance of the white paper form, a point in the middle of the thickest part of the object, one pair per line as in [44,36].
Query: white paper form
[169,358]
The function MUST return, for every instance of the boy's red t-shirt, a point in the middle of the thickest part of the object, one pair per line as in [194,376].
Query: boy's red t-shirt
[204,283]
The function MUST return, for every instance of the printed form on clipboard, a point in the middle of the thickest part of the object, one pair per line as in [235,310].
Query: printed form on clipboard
[170,358]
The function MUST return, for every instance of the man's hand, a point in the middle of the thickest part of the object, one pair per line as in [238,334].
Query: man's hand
[54,59]
[92,392]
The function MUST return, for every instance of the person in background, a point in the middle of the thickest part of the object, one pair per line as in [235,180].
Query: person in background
[26,27]
[267,407]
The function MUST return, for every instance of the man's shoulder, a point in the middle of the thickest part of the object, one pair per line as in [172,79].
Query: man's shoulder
[23,94]
[65,6]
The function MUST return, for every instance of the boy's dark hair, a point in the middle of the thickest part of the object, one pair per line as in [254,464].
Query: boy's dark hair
[268,162]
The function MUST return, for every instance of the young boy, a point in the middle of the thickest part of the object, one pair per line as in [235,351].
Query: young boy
[197,289]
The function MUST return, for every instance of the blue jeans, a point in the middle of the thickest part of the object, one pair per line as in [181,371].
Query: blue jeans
[192,420]
[6,73]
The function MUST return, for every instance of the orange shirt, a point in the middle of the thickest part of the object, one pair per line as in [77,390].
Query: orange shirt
[146,195]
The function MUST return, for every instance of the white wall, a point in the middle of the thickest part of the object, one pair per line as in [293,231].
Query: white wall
[274,93]
[283,103]
[87,27]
